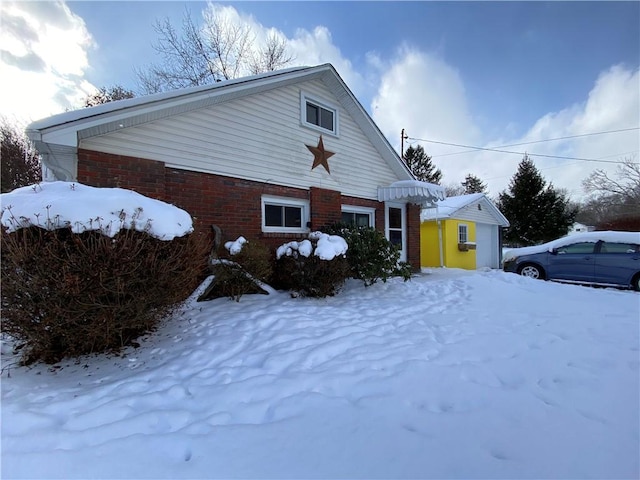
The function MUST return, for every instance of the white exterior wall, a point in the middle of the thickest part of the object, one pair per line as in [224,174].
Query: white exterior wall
[258,137]
[471,213]
[487,246]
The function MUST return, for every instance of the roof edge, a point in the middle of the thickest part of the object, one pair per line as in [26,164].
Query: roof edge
[81,115]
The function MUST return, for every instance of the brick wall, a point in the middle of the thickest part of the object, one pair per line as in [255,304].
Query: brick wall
[106,170]
[231,203]
[325,207]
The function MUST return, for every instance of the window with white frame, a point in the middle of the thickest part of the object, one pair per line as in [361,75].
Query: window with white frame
[462,233]
[359,216]
[318,115]
[286,215]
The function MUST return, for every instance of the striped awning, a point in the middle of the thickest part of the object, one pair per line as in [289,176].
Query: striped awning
[412,191]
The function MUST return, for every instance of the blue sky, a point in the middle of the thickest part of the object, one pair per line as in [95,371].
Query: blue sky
[474,73]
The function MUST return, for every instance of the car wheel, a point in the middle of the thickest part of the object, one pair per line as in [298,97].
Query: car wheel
[532,271]
[635,283]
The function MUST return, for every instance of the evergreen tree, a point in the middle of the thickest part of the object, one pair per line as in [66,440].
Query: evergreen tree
[420,165]
[473,184]
[537,212]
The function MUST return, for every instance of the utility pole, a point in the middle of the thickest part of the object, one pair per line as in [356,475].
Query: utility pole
[403,137]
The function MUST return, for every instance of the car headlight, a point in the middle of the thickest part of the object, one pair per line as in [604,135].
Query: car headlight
[509,264]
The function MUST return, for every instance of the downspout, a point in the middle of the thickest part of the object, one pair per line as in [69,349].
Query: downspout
[500,240]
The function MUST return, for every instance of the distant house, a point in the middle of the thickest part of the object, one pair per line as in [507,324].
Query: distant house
[580,228]
[462,232]
[272,157]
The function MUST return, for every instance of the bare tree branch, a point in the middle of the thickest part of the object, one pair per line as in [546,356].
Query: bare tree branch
[220,49]
[625,183]
[272,56]
[614,198]
[105,95]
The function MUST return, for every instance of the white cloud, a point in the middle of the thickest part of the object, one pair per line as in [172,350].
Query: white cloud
[612,104]
[44,57]
[307,48]
[422,94]
[317,47]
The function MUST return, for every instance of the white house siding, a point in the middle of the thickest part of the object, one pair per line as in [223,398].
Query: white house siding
[472,214]
[258,137]
[487,246]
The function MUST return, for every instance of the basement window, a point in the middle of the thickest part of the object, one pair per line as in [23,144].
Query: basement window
[284,215]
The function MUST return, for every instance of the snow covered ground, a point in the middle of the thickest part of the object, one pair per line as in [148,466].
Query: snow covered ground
[452,375]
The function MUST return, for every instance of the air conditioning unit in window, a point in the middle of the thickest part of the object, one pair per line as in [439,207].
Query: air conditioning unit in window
[466,246]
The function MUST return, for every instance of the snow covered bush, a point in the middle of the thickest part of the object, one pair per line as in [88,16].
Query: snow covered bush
[242,266]
[72,287]
[371,256]
[316,267]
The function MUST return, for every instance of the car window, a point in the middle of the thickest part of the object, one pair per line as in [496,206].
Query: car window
[584,247]
[610,247]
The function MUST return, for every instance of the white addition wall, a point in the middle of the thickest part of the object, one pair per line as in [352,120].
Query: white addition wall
[487,246]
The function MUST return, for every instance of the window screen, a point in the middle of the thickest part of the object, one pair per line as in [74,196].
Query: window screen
[462,234]
[358,219]
[282,216]
[320,116]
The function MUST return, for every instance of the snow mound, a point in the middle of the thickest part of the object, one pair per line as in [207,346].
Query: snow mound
[53,205]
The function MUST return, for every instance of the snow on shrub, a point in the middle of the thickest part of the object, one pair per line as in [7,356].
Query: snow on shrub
[327,247]
[314,267]
[54,205]
[88,270]
[244,268]
[235,247]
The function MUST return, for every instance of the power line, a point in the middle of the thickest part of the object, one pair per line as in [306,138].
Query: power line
[517,153]
[542,141]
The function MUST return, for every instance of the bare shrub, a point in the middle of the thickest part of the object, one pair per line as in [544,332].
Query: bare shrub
[66,294]
[240,273]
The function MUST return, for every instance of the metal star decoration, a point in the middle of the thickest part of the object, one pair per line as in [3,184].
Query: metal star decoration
[320,155]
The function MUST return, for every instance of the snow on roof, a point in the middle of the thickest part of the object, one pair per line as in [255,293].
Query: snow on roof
[450,206]
[591,237]
[52,205]
[83,113]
